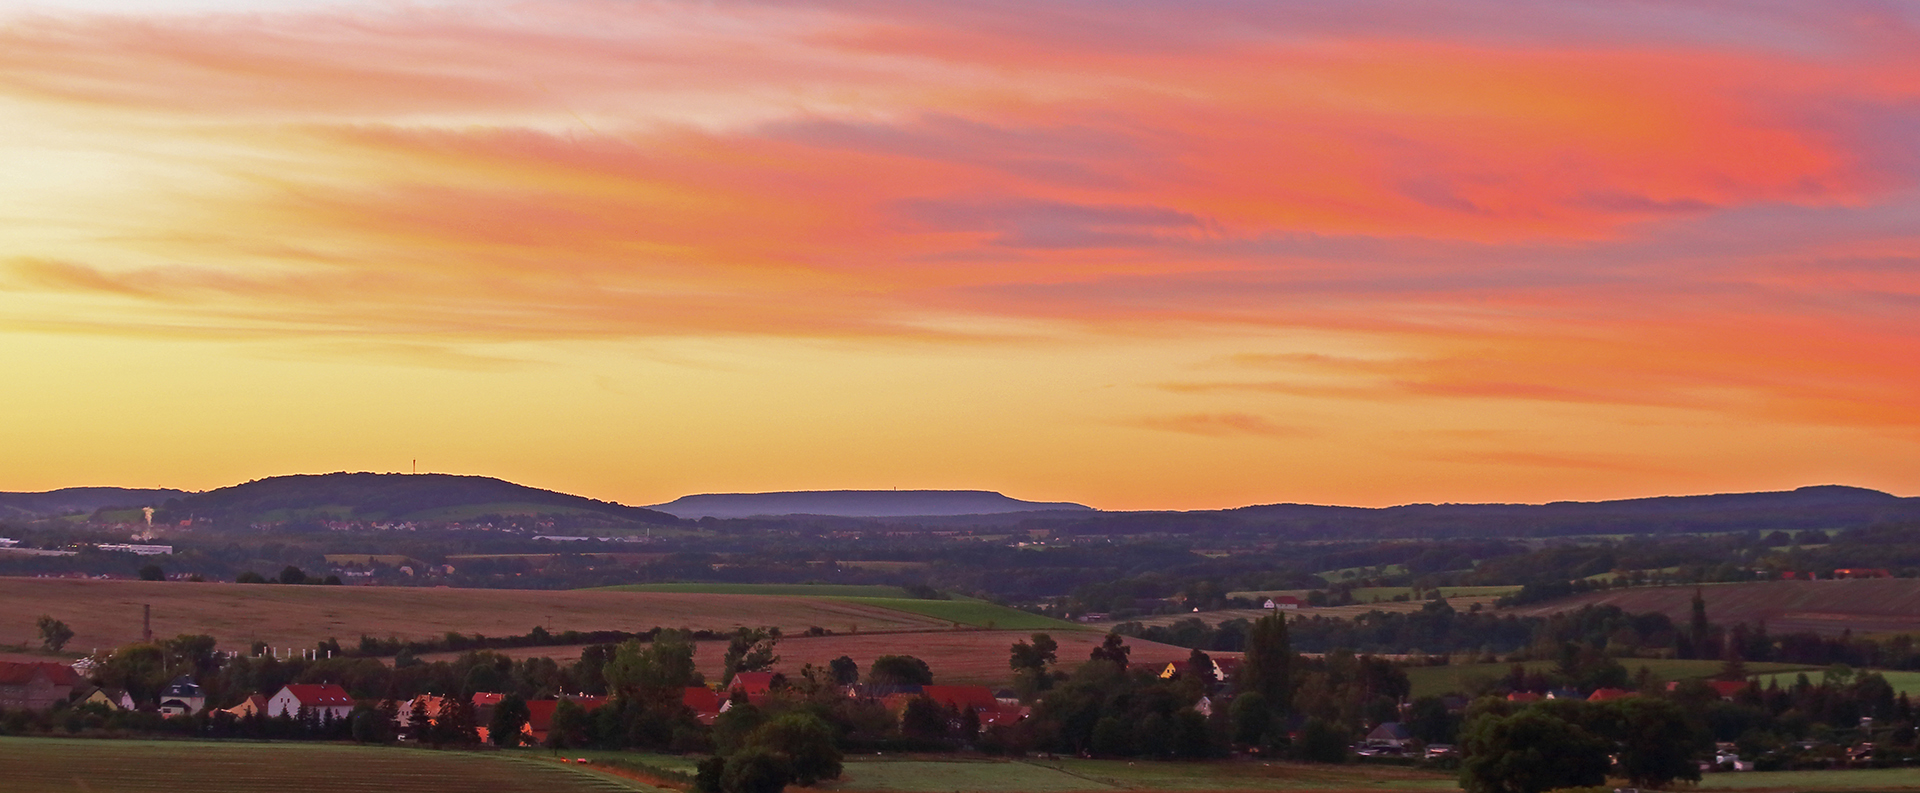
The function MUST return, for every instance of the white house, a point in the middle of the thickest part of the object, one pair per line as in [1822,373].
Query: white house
[182,697]
[323,701]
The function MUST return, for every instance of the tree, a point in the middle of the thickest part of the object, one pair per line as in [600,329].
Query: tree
[1322,742]
[249,577]
[1657,745]
[455,725]
[292,575]
[845,670]
[1268,664]
[1529,752]
[419,724]
[654,672]
[54,634]
[925,719]
[152,572]
[1036,657]
[750,650]
[570,726]
[1698,629]
[899,670]
[1114,649]
[804,741]
[510,716]
[1250,718]
[754,771]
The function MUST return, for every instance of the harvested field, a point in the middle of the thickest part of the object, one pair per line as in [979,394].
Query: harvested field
[107,613]
[1064,775]
[960,657]
[42,765]
[1826,607]
[1334,612]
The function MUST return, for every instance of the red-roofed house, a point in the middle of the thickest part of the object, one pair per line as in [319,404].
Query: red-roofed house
[1727,689]
[704,702]
[324,700]
[1524,696]
[35,685]
[1284,603]
[1225,667]
[957,697]
[540,715]
[1609,694]
[753,684]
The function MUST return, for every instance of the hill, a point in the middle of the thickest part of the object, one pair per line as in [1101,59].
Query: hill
[81,500]
[1826,607]
[1821,507]
[857,504]
[389,497]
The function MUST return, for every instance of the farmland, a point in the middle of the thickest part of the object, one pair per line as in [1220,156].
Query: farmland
[38,765]
[959,611]
[783,590]
[1874,779]
[1826,607]
[958,657]
[108,613]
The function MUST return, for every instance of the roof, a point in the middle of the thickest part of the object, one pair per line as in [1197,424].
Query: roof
[1524,696]
[701,699]
[1391,731]
[14,673]
[956,697]
[483,699]
[1607,694]
[752,682]
[321,695]
[1728,688]
[540,711]
[182,686]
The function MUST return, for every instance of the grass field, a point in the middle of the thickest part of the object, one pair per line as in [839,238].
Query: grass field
[784,590]
[972,613]
[1059,776]
[1903,682]
[1852,779]
[45,765]
[106,614]
[1827,607]
[1438,680]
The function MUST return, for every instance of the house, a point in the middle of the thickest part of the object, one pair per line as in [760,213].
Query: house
[1391,735]
[1224,668]
[1727,689]
[1524,696]
[254,704]
[1862,572]
[323,701]
[483,704]
[755,685]
[978,698]
[1283,603]
[35,685]
[705,703]
[109,699]
[540,715]
[1609,694]
[182,697]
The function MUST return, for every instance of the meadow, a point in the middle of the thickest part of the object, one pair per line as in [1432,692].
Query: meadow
[1852,779]
[783,590]
[106,614]
[52,765]
[1903,682]
[958,611]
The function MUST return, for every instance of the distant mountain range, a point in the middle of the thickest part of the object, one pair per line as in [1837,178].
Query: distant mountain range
[79,500]
[858,504]
[440,497]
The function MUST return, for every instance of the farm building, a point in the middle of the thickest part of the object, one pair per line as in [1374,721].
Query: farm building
[35,685]
[1390,734]
[705,703]
[1284,603]
[324,701]
[1609,694]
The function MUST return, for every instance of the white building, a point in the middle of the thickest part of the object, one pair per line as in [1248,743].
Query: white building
[323,701]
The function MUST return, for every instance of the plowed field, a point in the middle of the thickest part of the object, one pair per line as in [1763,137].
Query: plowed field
[1827,607]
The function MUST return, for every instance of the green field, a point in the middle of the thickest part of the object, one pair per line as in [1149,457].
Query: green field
[975,613]
[1349,573]
[864,591]
[1903,682]
[1058,776]
[52,765]
[1862,779]
[1438,680]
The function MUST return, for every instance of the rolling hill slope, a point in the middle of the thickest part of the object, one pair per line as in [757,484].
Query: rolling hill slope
[368,496]
[1826,607]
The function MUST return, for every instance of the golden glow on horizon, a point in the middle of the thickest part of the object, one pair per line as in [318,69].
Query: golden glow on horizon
[1171,260]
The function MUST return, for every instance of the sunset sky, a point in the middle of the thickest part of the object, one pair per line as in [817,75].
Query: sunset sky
[1138,254]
